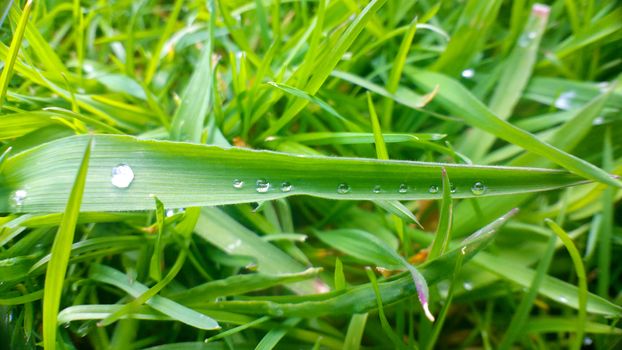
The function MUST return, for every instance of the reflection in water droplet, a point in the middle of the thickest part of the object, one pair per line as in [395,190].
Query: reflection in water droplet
[562,300]
[478,188]
[286,187]
[433,189]
[564,101]
[18,197]
[238,184]
[467,285]
[343,188]
[377,189]
[403,188]
[468,73]
[122,176]
[263,186]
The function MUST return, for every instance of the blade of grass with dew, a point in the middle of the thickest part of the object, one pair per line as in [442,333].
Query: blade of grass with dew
[514,77]
[108,275]
[565,138]
[59,260]
[11,56]
[443,231]
[581,276]
[519,320]
[185,175]
[457,99]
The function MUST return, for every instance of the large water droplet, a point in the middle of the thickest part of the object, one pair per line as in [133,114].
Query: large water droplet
[18,197]
[343,188]
[403,188]
[478,188]
[377,189]
[238,184]
[122,176]
[262,186]
[468,73]
[286,187]
[433,189]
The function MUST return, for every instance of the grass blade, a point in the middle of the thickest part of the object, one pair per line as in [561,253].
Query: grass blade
[61,250]
[11,57]
[185,175]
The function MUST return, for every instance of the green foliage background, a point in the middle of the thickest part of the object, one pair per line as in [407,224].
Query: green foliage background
[303,172]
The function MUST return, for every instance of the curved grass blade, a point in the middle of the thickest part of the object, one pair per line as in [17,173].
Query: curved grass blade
[367,247]
[185,175]
[457,99]
[443,232]
[11,57]
[61,250]
[581,276]
[166,306]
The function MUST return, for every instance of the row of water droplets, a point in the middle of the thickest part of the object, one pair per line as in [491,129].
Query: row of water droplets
[263,186]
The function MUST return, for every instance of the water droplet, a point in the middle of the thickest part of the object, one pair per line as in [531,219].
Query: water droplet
[286,187]
[599,120]
[526,39]
[122,176]
[433,189]
[452,188]
[562,300]
[564,101]
[377,189]
[238,184]
[263,186]
[169,213]
[233,246]
[467,285]
[468,73]
[343,188]
[18,197]
[478,188]
[587,341]
[403,188]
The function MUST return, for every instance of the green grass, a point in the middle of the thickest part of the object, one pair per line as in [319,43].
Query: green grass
[310,174]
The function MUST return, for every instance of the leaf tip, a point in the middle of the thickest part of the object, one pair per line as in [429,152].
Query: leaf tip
[427,312]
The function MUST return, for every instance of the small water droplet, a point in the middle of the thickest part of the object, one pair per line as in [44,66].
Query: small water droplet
[377,189]
[562,300]
[343,188]
[18,198]
[599,120]
[443,288]
[587,341]
[234,245]
[468,73]
[564,101]
[467,285]
[403,188]
[452,188]
[286,187]
[169,213]
[122,176]
[263,186]
[526,39]
[478,188]
[433,189]
[238,184]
